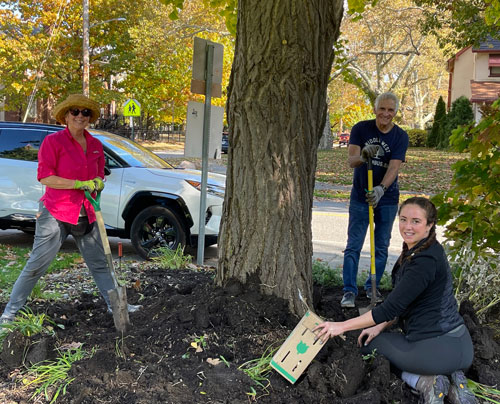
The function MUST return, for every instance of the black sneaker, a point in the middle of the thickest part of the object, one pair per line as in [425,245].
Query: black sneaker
[378,298]
[348,300]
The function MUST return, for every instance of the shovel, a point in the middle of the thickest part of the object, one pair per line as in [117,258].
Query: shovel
[118,295]
[373,302]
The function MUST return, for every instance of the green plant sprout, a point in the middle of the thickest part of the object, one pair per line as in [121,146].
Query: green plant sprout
[258,369]
[29,324]
[172,259]
[51,377]
[199,343]
[371,356]
[224,360]
[252,394]
[119,351]
[484,392]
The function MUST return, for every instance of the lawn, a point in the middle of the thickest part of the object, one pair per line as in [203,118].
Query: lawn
[426,171]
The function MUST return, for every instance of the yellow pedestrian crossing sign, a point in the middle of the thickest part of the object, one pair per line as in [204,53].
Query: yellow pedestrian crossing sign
[132,108]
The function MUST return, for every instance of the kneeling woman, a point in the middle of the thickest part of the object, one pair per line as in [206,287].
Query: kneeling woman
[435,346]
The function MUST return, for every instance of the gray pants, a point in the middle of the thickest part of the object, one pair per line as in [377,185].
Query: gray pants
[49,236]
[441,355]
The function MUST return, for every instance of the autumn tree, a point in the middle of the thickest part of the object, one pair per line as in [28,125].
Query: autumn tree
[276,113]
[41,48]
[386,51]
[461,23]
[134,52]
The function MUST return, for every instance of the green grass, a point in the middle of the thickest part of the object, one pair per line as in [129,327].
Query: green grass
[51,377]
[13,259]
[29,324]
[325,275]
[426,171]
[172,259]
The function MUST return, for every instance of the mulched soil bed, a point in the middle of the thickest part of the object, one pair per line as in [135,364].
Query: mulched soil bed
[157,362]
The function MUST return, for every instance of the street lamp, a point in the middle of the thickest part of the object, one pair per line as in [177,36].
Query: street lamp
[86,28]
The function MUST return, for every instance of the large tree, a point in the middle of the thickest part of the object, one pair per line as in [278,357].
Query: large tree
[386,51]
[134,52]
[276,113]
[460,22]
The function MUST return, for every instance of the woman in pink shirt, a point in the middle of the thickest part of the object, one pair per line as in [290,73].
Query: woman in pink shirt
[69,162]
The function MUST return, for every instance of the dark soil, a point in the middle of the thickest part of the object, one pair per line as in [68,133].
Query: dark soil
[157,362]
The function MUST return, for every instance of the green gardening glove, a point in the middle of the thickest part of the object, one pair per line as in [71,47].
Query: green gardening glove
[99,184]
[89,186]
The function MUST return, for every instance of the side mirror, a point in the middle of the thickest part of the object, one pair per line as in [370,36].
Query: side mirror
[107,171]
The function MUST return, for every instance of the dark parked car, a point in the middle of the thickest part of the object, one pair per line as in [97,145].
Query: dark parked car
[344,139]
[225,143]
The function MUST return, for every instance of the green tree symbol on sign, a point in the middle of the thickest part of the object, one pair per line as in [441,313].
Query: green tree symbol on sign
[302,347]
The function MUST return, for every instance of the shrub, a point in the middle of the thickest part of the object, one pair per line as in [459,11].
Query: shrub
[470,209]
[460,114]
[417,137]
[438,125]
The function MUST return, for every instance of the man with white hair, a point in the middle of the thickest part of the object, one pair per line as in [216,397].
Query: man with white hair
[385,143]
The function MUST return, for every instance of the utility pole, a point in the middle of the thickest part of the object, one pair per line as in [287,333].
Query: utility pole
[86,62]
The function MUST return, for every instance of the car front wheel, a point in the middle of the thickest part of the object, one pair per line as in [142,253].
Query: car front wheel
[156,227]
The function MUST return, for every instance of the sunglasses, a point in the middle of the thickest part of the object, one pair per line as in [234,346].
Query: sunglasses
[85,112]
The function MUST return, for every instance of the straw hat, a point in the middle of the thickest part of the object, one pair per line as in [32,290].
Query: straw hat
[76,101]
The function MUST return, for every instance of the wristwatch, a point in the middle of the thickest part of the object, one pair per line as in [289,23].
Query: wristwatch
[383,187]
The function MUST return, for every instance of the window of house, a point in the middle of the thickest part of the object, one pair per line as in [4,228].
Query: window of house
[494,65]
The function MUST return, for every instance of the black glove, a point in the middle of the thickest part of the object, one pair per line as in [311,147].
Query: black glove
[369,151]
[373,197]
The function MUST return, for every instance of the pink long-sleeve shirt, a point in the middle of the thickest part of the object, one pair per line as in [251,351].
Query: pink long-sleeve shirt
[61,155]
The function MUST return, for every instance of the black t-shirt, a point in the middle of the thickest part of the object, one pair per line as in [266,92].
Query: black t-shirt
[394,143]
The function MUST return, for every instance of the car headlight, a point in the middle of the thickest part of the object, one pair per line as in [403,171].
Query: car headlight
[215,190]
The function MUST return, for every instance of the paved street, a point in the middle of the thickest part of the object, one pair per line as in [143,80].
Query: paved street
[329,229]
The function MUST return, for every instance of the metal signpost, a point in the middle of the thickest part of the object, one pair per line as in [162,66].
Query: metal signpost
[207,73]
[132,108]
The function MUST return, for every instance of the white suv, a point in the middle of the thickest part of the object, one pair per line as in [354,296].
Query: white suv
[145,199]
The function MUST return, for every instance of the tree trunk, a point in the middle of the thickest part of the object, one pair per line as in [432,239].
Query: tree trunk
[326,140]
[276,113]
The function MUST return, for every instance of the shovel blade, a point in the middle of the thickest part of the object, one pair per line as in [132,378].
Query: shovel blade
[118,300]
[363,310]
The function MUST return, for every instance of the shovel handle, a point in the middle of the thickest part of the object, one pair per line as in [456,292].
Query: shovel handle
[372,235]
[102,232]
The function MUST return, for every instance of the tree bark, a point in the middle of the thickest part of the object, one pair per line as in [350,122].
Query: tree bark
[276,112]
[326,140]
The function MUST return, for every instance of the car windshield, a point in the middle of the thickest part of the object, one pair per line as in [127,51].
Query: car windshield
[132,153]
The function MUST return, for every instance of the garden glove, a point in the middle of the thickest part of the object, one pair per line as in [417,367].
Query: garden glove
[369,151]
[89,186]
[99,184]
[374,196]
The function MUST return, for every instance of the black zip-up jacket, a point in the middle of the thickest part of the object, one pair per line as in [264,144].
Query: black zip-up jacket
[422,297]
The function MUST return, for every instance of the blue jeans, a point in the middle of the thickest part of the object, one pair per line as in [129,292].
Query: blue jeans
[358,224]
[49,236]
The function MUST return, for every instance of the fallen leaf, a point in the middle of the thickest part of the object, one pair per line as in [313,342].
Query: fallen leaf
[213,361]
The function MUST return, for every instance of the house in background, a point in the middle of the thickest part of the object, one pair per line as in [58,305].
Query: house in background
[475,74]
